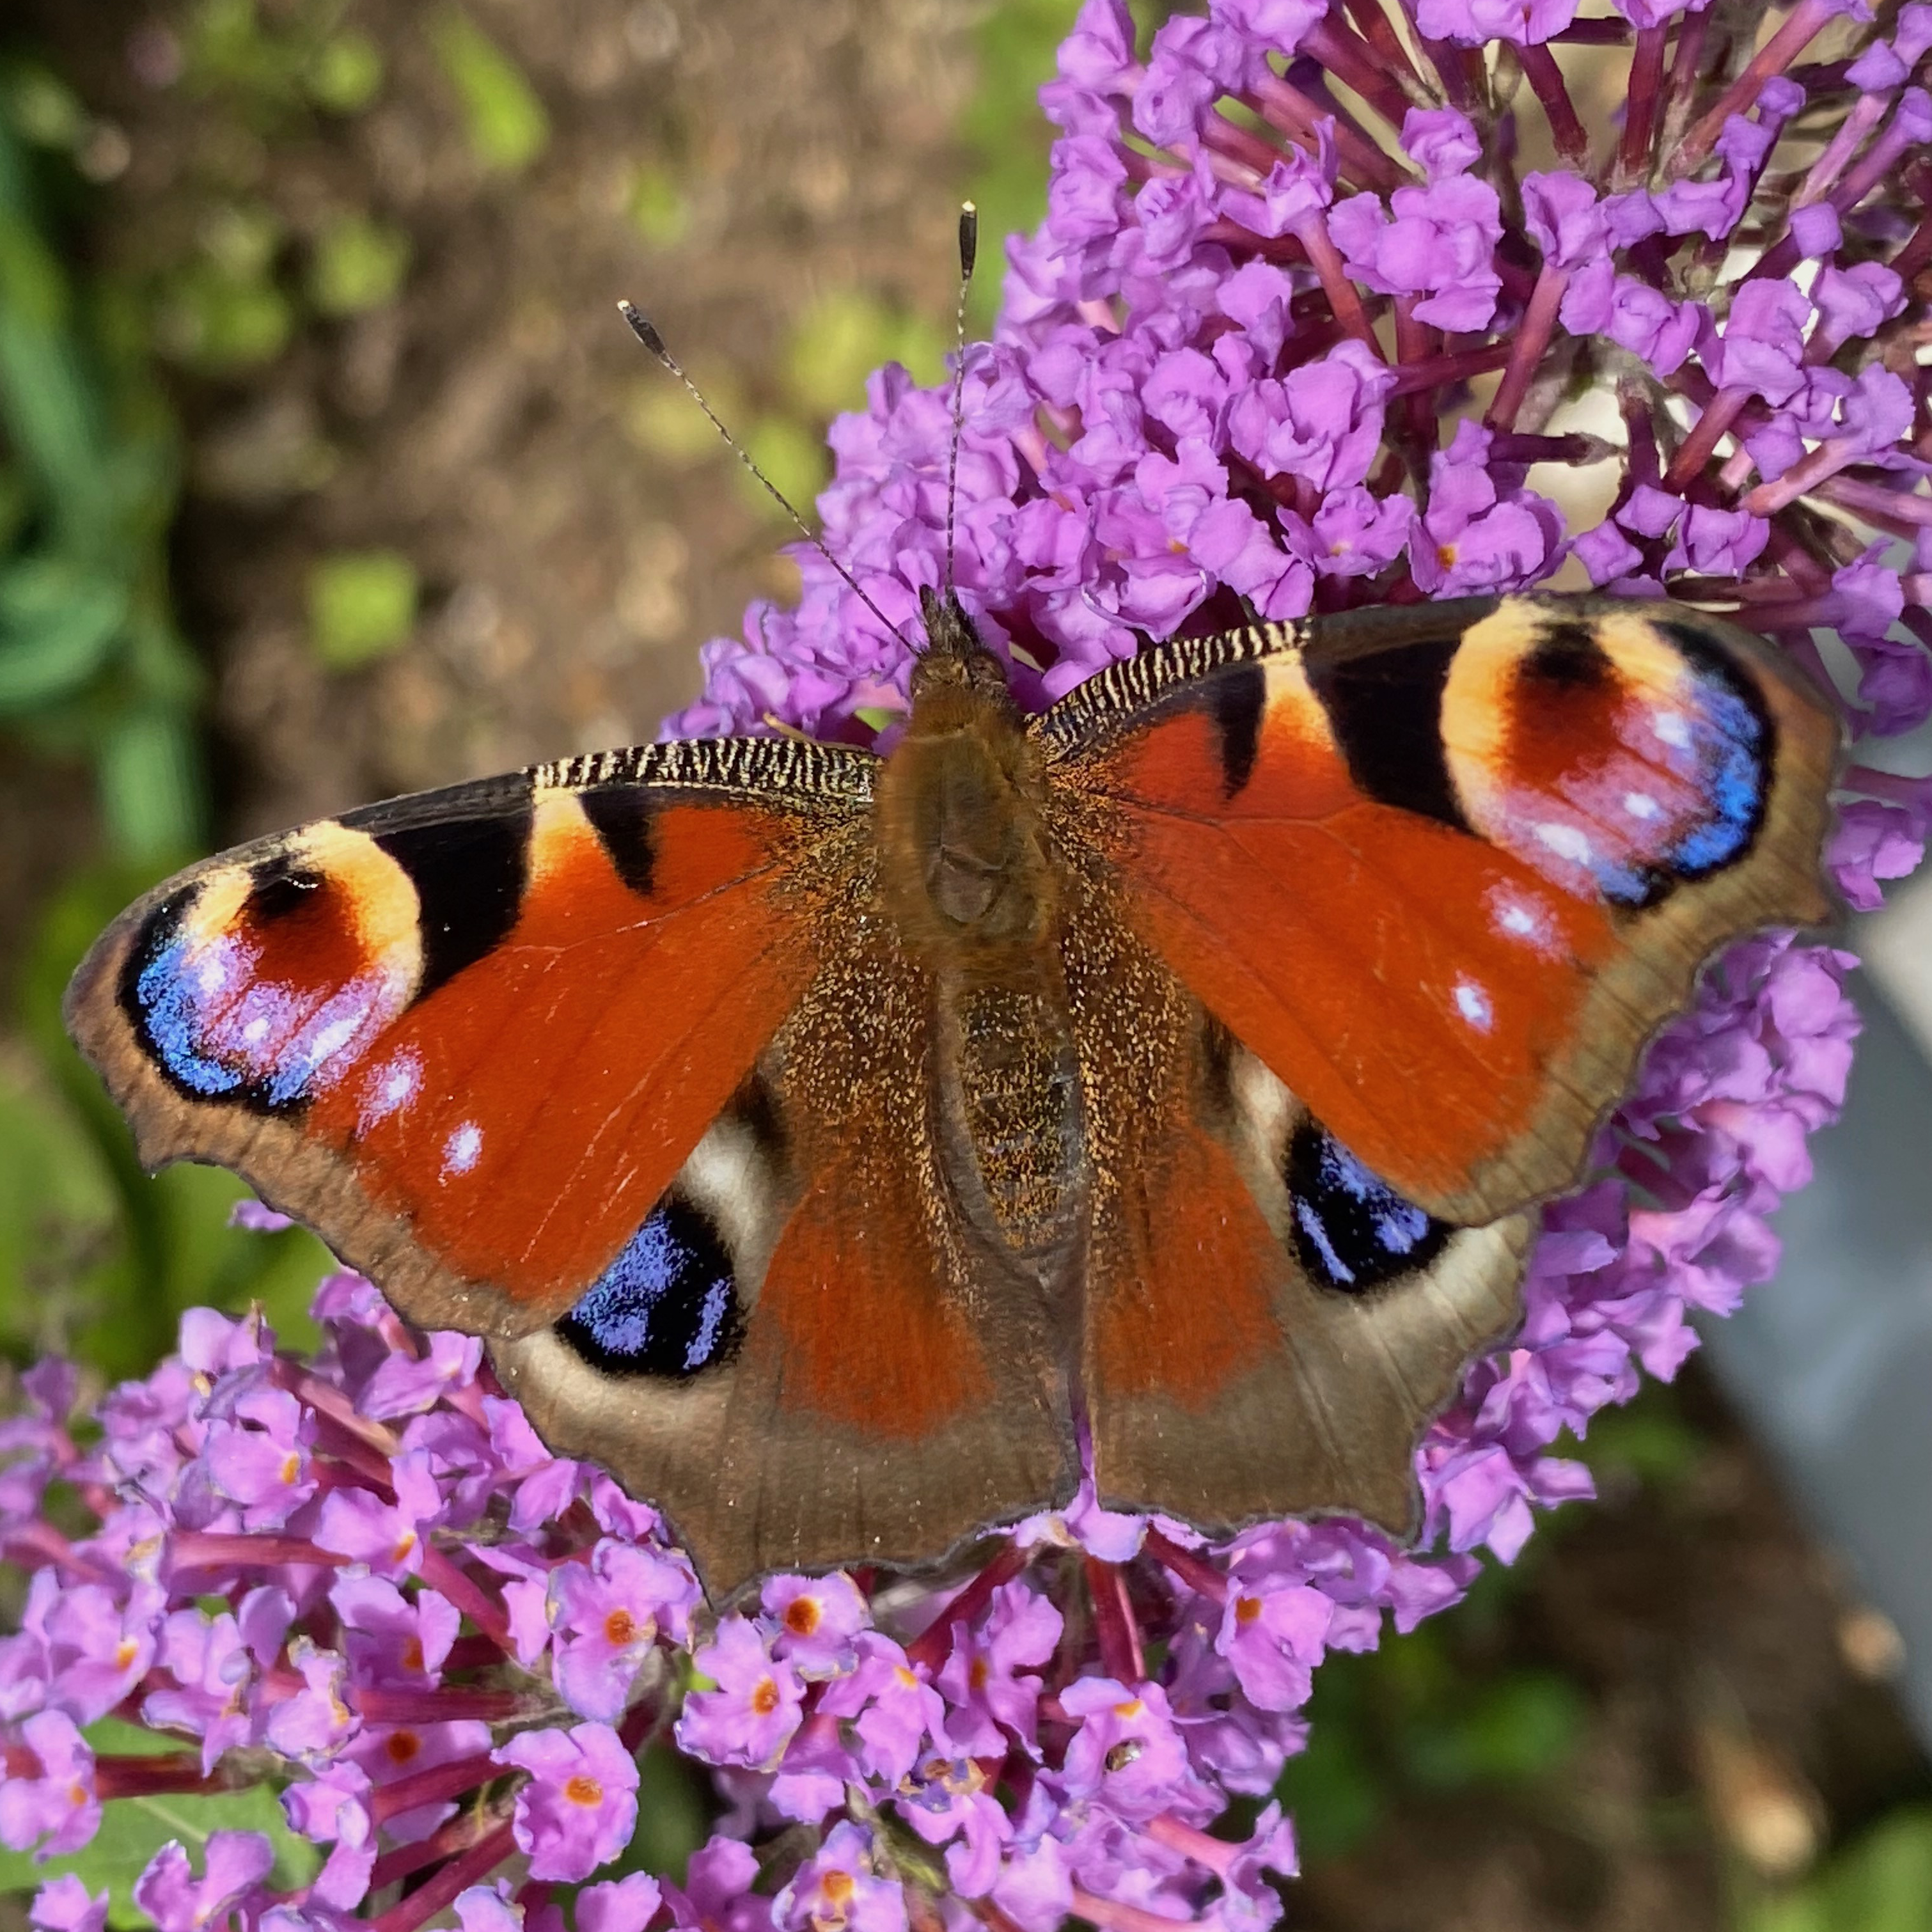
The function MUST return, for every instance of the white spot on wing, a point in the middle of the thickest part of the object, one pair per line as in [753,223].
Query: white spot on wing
[1672,728]
[460,1151]
[1473,1003]
[1567,841]
[1641,805]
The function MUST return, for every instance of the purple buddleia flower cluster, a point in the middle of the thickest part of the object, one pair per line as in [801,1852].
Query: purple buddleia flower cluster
[1303,330]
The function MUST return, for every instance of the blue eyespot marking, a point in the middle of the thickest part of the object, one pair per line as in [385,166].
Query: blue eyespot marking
[667,1306]
[1352,1231]
[170,991]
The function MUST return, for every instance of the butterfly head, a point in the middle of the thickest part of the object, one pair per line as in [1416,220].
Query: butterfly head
[955,661]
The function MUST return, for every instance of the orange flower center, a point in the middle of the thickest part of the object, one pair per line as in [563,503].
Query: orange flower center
[585,1791]
[837,1887]
[412,1655]
[401,1746]
[619,1628]
[802,1615]
[765,1697]
[1247,1609]
[978,1674]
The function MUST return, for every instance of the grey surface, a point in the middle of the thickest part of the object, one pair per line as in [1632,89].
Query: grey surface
[1832,1361]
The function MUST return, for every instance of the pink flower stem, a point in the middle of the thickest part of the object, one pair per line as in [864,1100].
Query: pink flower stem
[1814,468]
[209,1549]
[1681,87]
[1339,49]
[1118,1916]
[472,1864]
[1546,78]
[1894,788]
[1291,110]
[1903,512]
[1120,1635]
[170,1773]
[402,1704]
[1867,111]
[1800,27]
[330,1401]
[1198,1574]
[1373,24]
[1191,1842]
[1224,140]
[1696,448]
[1880,159]
[436,1785]
[1415,342]
[1526,352]
[1459,366]
[1646,81]
[441,1573]
[934,1644]
[1326,259]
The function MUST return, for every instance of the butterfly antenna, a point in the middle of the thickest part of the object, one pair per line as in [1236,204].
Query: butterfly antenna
[645,330]
[969,249]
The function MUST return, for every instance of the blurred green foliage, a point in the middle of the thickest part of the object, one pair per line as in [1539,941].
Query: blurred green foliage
[505,122]
[362,605]
[1881,1882]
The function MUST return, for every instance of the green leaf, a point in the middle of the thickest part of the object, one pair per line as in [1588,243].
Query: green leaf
[58,626]
[133,1829]
[362,605]
[358,264]
[346,75]
[504,120]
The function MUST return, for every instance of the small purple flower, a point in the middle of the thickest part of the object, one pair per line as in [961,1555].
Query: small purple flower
[581,1805]
[257,1455]
[894,1711]
[607,1614]
[46,1796]
[813,1620]
[986,1683]
[1274,1637]
[1127,1753]
[177,1901]
[748,1719]
[388,1537]
[64,1905]
[837,1891]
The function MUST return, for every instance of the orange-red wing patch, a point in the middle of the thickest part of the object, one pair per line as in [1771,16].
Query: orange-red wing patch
[868,1339]
[1181,1288]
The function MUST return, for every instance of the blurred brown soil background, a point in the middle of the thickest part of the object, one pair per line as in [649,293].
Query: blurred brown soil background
[1721,1713]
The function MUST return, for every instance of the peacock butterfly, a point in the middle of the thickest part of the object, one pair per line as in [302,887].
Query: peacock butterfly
[822,1141]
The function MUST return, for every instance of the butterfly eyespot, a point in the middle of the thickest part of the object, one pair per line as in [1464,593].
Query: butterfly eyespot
[667,1306]
[1352,1231]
